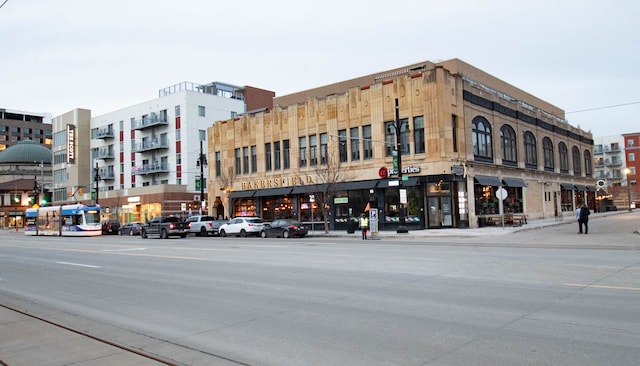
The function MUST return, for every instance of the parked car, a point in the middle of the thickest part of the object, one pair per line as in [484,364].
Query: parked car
[204,225]
[131,228]
[243,226]
[283,228]
[110,227]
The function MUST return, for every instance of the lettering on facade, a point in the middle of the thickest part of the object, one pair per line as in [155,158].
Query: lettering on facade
[405,170]
[71,144]
[276,182]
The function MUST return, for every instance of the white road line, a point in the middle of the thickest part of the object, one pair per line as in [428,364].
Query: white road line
[124,250]
[78,265]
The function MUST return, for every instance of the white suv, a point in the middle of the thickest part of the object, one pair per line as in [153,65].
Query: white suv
[242,226]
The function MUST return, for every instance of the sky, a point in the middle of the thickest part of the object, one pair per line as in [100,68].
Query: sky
[579,55]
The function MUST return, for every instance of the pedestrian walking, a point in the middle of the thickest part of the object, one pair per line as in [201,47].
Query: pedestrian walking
[364,226]
[584,218]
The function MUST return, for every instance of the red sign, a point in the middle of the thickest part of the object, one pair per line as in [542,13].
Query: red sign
[383,172]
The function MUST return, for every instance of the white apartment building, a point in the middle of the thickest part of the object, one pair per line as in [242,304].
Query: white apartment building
[609,160]
[145,158]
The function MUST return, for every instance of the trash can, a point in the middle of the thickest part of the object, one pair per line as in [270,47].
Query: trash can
[352,225]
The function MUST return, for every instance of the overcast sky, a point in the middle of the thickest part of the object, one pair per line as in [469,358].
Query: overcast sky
[106,55]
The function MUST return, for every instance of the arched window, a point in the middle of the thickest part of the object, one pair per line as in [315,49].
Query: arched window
[509,147]
[547,148]
[530,151]
[577,164]
[588,168]
[563,153]
[482,142]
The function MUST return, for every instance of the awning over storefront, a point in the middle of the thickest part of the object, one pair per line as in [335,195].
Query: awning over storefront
[351,186]
[567,186]
[488,181]
[273,192]
[242,194]
[580,187]
[308,189]
[514,182]
[591,188]
[411,182]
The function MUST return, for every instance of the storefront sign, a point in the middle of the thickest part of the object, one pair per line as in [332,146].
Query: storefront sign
[457,170]
[71,144]
[386,172]
[276,182]
[341,200]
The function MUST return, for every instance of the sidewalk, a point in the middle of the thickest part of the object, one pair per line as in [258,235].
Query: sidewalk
[453,232]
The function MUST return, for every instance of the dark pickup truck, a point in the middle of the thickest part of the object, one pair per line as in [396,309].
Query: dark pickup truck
[164,227]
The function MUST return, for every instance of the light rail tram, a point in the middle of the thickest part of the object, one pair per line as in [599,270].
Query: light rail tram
[66,220]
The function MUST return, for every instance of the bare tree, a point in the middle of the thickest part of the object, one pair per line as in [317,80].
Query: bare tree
[226,183]
[328,176]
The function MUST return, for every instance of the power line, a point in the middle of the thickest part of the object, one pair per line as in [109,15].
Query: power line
[605,107]
[5,1]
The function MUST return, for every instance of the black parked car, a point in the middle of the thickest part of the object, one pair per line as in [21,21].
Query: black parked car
[283,228]
[110,227]
[132,228]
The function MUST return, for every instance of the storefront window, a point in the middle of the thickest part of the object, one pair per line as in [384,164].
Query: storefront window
[244,207]
[513,202]
[277,208]
[392,205]
[486,200]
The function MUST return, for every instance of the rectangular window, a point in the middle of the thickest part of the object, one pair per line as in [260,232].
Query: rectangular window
[389,138]
[313,150]
[177,111]
[238,162]
[267,157]
[367,143]
[287,154]
[254,159]
[218,163]
[201,112]
[418,134]
[303,152]
[354,142]
[245,160]
[277,156]
[323,149]
[454,131]
[404,136]
[342,145]
[630,143]
[202,134]
[632,157]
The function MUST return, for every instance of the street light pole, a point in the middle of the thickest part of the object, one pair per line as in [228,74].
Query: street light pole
[96,178]
[202,161]
[402,226]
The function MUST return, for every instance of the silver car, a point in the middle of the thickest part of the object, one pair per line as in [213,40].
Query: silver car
[242,226]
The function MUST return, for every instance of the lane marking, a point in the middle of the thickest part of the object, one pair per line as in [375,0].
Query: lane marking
[604,287]
[262,246]
[123,250]
[78,265]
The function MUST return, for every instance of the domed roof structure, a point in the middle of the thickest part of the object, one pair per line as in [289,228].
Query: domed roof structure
[25,152]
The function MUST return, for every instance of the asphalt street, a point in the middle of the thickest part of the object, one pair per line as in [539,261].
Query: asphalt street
[539,294]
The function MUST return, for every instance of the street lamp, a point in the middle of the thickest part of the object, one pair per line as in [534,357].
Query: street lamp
[402,226]
[627,171]
[202,161]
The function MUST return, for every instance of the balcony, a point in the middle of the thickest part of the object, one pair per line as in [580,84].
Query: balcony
[104,154]
[151,144]
[106,174]
[614,149]
[151,120]
[613,162]
[104,133]
[152,168]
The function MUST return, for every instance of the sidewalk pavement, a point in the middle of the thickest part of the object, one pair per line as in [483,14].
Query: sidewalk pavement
[452,232]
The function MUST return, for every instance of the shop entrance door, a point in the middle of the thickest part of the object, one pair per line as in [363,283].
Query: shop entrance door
[440,212]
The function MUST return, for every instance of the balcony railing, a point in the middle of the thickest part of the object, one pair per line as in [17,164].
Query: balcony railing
[151,144]
[613,163]
[149,121]
[151,168]
[104,133]
[104,154]
[106,174]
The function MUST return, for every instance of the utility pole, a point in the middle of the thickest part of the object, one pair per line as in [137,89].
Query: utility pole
[96,178]
[202,161]
[402,192]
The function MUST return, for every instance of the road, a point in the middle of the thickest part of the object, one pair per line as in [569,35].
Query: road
[536,297]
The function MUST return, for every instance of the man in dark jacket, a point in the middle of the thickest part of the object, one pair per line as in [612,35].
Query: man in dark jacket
[584,218]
